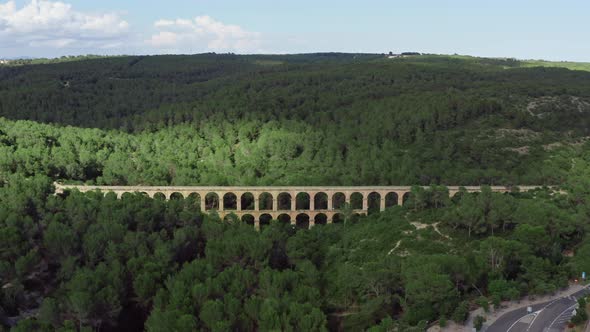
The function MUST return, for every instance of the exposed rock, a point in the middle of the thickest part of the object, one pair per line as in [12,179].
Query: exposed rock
[543,106]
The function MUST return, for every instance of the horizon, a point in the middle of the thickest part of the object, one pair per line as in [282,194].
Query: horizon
[327,166]
[531,30]
[16,58]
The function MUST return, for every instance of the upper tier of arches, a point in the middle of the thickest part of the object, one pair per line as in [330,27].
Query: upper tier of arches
[366,199]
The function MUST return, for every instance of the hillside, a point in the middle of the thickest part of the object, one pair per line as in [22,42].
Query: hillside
[300,119]
[134,93]
[88,261]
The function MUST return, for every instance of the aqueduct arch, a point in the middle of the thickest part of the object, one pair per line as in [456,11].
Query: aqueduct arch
[265,202]
[230,201]
[302,201]
[284,201]
[320,201]
[247,202]
[338,201]
[176,196]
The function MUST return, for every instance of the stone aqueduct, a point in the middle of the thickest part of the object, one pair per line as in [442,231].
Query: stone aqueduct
[304,206]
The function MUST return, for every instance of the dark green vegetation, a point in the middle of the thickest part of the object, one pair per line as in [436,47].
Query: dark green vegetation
[88,261]
[309,119]
[581,314]
[94,261]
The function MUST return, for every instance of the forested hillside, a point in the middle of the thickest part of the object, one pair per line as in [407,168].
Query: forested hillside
[81,262]
[301,119]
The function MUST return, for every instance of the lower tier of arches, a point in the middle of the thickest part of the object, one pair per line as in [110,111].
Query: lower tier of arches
[300,219]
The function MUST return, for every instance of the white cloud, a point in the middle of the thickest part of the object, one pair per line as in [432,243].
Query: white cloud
[203,33]
[55,24]
[164,39]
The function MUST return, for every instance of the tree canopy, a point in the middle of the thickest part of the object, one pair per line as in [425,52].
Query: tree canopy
[88,261]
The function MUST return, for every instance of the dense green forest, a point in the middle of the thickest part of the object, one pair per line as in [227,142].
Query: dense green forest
[308,119]
[78,262]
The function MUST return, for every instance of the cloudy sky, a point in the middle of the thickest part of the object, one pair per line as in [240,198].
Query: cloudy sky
[540,29]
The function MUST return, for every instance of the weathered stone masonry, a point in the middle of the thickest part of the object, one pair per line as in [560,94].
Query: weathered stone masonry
[312,205]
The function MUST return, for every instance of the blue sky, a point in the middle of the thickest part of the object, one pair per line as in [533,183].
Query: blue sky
[542,29]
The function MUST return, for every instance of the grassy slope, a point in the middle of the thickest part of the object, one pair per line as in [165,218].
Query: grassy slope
[502,62]
[585,66]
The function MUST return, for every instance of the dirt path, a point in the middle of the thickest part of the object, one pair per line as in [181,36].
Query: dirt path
[395,247]
[420,225]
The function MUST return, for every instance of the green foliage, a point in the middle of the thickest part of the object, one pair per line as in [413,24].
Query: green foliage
[496,301]
[29,324]
[441,120]
[461,312]
[581,313]
[478,322]
[25,264]
[90,261]
[561,64]
[429,289]
[484,303]
[49,312]
[581,259]
[502,289]
[185,270]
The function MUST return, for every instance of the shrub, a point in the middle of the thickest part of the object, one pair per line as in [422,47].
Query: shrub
[496,300]
[483,302]
[478,322]
[461,313]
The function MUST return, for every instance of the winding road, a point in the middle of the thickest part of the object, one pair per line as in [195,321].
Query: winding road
[551,316]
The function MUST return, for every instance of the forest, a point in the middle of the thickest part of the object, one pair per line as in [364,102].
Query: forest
[90,261]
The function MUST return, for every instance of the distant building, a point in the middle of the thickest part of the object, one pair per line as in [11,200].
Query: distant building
[3,62]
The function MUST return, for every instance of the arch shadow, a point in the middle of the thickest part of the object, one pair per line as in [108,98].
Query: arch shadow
[284,202]
[247,202]
[302,201]
[284,218]
[338,201]
[338,218]
[160,196]
[320,219]
[176,196]
[265,202]
[264,221]
[320,201]
[390,199]
[356,201]
[230,201]
[374,203]
[248,219]
[211,201]
[302,221]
